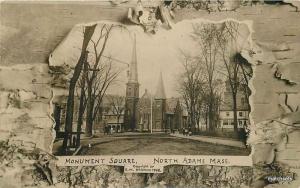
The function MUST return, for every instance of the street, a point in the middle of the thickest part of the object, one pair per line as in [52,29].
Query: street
[153,144]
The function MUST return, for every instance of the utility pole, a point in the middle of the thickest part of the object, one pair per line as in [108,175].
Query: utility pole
[151,114]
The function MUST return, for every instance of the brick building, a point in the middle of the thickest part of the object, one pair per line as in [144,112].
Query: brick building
[150,113]
[158,113]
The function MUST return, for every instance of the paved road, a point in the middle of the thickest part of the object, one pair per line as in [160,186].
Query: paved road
[157,144]
[214,140]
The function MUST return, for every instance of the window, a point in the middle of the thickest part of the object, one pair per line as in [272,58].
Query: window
[240,114]
[243,100]
[225,122]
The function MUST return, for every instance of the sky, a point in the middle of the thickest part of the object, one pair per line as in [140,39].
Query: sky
[160,52]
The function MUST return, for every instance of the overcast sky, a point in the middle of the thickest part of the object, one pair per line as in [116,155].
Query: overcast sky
[155,53]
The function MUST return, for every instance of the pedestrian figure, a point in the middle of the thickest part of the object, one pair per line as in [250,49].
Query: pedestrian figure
[111,130]
[104,129]
[107,130]
[186,132]
[243,136]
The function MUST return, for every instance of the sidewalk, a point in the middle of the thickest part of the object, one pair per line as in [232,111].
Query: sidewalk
[213,140]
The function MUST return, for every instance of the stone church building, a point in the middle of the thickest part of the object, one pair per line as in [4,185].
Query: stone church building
[151,113]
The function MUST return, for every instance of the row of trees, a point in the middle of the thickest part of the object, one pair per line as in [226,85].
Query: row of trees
[93,74]
[201,83]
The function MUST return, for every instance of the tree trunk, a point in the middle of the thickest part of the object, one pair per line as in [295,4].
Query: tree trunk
[118,120]
[235,121]
[193,126]
[211,114]
[198,124]
[206,119]
[89,112]
[89,31]
[81,108]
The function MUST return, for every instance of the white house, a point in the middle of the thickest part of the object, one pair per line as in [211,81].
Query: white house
[226,120]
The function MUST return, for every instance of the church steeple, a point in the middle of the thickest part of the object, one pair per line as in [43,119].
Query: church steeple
[133,74]
[160,89]
[132,94]
[159,109]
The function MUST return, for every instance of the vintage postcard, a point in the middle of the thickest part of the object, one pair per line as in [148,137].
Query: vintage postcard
[145,86]
[127,90]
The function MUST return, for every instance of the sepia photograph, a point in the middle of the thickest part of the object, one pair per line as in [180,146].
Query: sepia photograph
[150,93]
[179,92]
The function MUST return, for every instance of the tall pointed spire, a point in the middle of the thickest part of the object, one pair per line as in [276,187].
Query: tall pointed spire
[160,90]
[133,74]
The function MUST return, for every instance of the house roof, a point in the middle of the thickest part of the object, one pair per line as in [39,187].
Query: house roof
[227,104]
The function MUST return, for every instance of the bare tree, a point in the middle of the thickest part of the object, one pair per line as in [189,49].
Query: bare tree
[82,102]
[96,90]
[118,104]
[219,43]
[206,103]
[190,88]
[205,35]
[101,75]
[236,69]
[88,33]
[247,74]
